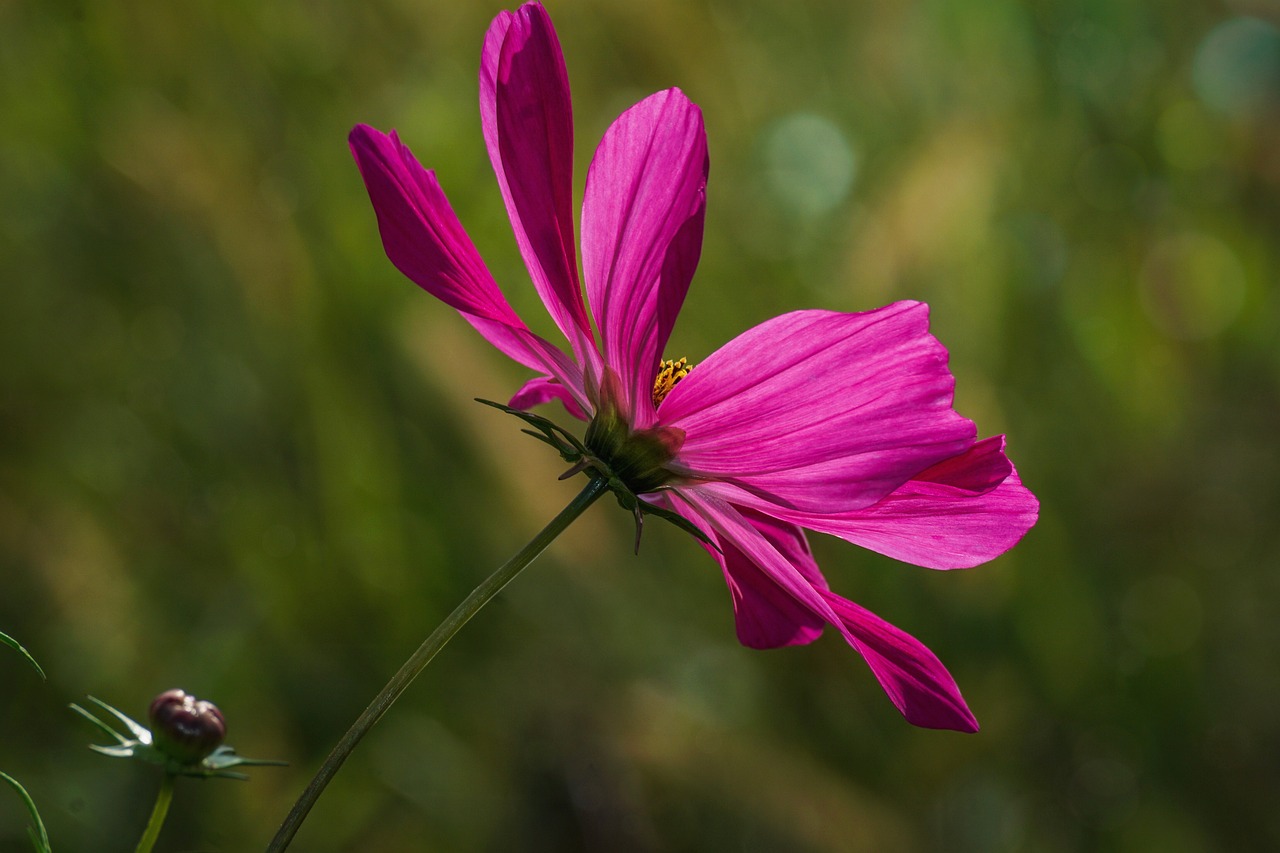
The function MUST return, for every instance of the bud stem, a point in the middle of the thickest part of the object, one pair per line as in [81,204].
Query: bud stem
[158,813]
[418,661]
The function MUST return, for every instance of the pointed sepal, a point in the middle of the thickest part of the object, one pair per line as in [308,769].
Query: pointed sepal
[583,461]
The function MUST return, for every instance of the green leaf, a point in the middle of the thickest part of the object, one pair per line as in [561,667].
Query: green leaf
[141,734]
[139,731]
[39,836]
[103,727]
[12,643]
[217,762]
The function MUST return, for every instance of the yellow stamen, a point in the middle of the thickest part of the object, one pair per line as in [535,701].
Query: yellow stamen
[669,373]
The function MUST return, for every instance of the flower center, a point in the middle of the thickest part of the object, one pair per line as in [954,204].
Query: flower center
[669,373]
[635,457]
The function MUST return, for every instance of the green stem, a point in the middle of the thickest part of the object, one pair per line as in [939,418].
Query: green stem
[418,661]
[158,813]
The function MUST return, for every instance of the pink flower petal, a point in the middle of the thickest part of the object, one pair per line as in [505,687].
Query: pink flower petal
[766,616]
[642,216]
[728,526]
[527,117]
[543,389]
[979,469]
[913,677]
[917,683]
[818,411]
[424,239]
[420,231]
[937,519]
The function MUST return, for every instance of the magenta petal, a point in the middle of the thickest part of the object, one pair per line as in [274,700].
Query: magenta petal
[543,389]
[727,526]
[420,231]
[917,683]
[937,519]
[913,677]
[642,216]
[424,239]
[527,119]
[766,616]
[818,411]
[979,469]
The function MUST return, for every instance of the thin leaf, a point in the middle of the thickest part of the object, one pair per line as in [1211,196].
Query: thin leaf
[558,437]
[541,438]
[12,643]
[141,732]
[224,757]
[39,836]
[106,729]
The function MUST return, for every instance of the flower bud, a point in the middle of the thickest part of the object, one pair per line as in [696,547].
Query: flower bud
[186,728]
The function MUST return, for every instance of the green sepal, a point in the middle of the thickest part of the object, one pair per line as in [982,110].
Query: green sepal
[565,443]
[37,833]
[679,521]
[224,757]
[216,764]
[14,644]
[572,450]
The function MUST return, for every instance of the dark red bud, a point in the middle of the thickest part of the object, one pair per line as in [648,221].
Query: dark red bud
[186,728]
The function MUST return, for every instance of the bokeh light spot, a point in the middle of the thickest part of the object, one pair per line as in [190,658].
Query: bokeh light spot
[809,163]
[1237,66]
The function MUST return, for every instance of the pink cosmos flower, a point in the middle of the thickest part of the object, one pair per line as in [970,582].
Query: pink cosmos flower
[840,423]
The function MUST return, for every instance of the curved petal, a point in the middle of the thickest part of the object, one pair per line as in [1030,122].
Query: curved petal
[913,677]
[765,615]
[543,389]
[818,411]
[527,117]
[976,471]
[917,683]
[727,526]
[424,239]
[642,217]
[420,231]
[948,517]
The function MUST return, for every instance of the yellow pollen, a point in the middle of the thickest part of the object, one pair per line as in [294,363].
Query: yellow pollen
[669,373]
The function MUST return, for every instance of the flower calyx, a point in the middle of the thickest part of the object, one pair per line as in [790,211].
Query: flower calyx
[186,738]
[630,463]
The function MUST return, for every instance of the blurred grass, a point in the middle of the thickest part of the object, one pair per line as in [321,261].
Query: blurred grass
[238,453]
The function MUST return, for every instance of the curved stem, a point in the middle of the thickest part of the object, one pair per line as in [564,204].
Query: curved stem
[418,661]
[158,813]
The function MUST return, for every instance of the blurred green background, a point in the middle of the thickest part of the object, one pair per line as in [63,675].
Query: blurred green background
[238,452]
